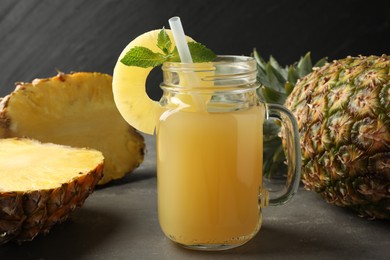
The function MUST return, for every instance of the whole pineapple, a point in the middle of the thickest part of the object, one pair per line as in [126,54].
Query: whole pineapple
[343,114]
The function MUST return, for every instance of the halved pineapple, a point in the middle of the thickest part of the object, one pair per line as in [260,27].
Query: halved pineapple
[41,183]
[77,110]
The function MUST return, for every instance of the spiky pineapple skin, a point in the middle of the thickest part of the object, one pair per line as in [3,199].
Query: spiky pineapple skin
[343,114]
[26,214]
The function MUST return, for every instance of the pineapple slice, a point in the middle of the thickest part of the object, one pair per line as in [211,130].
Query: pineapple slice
[76,110]
[41,183]
[129,87]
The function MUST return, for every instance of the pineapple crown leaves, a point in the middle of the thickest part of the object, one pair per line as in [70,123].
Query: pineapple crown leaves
[278,82]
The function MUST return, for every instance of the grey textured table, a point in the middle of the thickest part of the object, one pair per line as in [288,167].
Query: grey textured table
[120,222]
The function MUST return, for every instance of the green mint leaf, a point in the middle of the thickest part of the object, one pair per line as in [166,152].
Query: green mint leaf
[200,53]
[163,41]
[174,56]
[143,57]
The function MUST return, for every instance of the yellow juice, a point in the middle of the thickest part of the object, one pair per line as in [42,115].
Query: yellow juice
[209,176]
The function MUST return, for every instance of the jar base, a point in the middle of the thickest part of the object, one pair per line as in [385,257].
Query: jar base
[210,247]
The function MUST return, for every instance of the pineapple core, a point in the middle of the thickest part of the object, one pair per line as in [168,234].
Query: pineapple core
[27,165]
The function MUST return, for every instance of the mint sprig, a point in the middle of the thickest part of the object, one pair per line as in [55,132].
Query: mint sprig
[164,42]
[143,57]
[200,53]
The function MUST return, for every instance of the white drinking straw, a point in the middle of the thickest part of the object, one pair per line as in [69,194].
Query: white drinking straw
[180,39]
[185,57]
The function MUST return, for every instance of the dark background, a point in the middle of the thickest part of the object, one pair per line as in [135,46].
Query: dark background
[39,37]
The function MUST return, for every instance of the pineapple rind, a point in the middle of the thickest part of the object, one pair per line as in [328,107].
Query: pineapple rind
[26,213]
[343,113]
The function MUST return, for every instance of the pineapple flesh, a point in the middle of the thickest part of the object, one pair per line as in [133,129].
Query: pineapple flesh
[76,110]
[343,113]
[41,183]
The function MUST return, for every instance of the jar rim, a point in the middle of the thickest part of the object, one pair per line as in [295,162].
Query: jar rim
[220,59]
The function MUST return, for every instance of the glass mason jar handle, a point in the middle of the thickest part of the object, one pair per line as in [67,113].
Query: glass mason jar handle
[293,156]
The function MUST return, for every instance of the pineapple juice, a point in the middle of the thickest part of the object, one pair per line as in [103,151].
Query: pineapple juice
[209,176]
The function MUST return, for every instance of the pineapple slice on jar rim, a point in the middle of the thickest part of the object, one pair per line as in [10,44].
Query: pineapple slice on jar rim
[129,87]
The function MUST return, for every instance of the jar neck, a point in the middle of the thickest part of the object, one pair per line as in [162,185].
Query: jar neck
[227,84]
[226,73]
